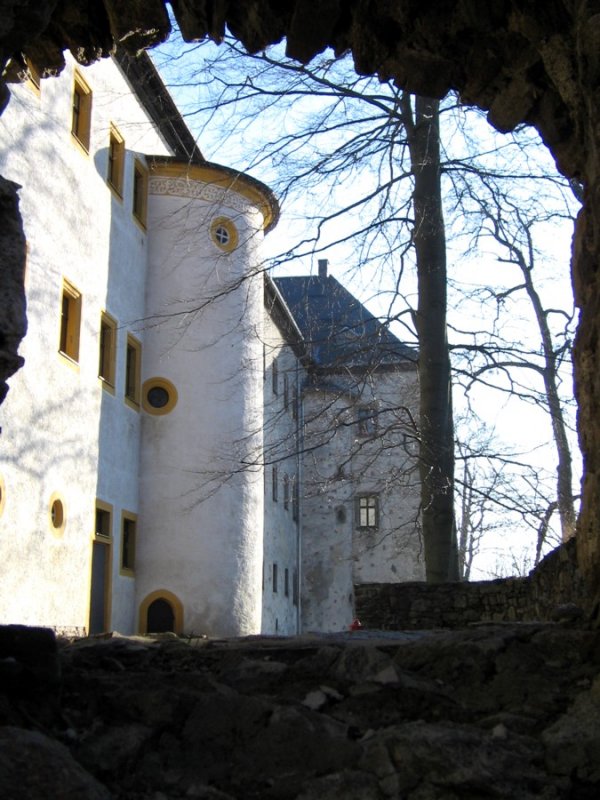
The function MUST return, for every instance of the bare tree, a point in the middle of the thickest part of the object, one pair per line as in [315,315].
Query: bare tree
[512,224]
[324,126]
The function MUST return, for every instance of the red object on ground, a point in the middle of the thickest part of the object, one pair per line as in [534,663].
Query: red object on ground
[356,625]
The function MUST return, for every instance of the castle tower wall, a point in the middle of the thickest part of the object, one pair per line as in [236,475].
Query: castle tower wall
[201,487]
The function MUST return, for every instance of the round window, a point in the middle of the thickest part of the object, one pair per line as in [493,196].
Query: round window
[159,396]
[58,516]
[224,233]
[57,513]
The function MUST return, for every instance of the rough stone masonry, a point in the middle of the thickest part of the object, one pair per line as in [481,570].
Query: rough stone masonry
[496,711]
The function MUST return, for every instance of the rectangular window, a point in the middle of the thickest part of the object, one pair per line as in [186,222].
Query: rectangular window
[133,370]
[107,350]
[116,161]
[367,511]
[34,77]
[81,120]
[295,401]
[286,582]
[140,192]
[286,492]
[70,321]
[274,483]
[286,391]
[367,421]
[128,536]
[275,376]
[295,491]
[103,526]
[274,578]
[295,588]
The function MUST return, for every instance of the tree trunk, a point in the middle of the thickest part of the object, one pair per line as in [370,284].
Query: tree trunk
[437,427]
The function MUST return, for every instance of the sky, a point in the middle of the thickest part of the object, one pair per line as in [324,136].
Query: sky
[234,134]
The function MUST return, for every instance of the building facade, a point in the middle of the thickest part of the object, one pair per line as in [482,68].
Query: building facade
[177,454]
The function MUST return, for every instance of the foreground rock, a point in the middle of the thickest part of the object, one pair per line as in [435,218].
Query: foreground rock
[495,711]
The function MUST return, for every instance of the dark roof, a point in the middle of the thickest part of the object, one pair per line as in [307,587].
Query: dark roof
[147,84]
[339,331]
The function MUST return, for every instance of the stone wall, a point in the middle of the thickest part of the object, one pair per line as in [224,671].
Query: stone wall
[554,589]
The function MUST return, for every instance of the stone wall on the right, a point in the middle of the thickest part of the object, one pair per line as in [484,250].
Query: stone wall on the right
[554,589]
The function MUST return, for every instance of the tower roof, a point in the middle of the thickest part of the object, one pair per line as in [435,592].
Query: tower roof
[338,330]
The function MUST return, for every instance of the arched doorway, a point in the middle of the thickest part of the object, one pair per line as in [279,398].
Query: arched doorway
[160,612]
[160,617]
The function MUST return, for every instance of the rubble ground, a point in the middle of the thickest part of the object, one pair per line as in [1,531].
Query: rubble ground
[492,711]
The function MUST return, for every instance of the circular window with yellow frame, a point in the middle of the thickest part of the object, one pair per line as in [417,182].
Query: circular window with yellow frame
[159,396]
[224,234]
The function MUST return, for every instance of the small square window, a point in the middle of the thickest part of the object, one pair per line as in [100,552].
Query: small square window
[81,119]
[133,369]
[140,192]
[116,161]
[70,321]
[367,511]
[367,421]
[128,537]
[107,349]
[103,526]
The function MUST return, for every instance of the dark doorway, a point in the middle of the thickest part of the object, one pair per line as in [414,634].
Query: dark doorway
[160,617]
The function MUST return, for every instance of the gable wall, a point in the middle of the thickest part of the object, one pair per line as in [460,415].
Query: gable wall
[339,466]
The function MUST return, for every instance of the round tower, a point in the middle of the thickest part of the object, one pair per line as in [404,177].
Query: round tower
[199,539]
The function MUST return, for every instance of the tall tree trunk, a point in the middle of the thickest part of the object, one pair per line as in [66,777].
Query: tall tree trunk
[437,426]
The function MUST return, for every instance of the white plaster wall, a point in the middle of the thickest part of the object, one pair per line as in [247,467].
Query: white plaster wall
[202,485]
[338,465]
[281,449]
[61,430]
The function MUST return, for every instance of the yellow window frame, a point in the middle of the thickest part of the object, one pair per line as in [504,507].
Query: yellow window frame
[116,161]
[81,111]
[128,543]
[107,350]
[139,205]
[133,371]
[70,321]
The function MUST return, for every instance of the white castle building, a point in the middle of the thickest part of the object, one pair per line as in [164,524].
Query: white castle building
[192,445]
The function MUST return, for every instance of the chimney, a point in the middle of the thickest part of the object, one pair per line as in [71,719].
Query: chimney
[323,262]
